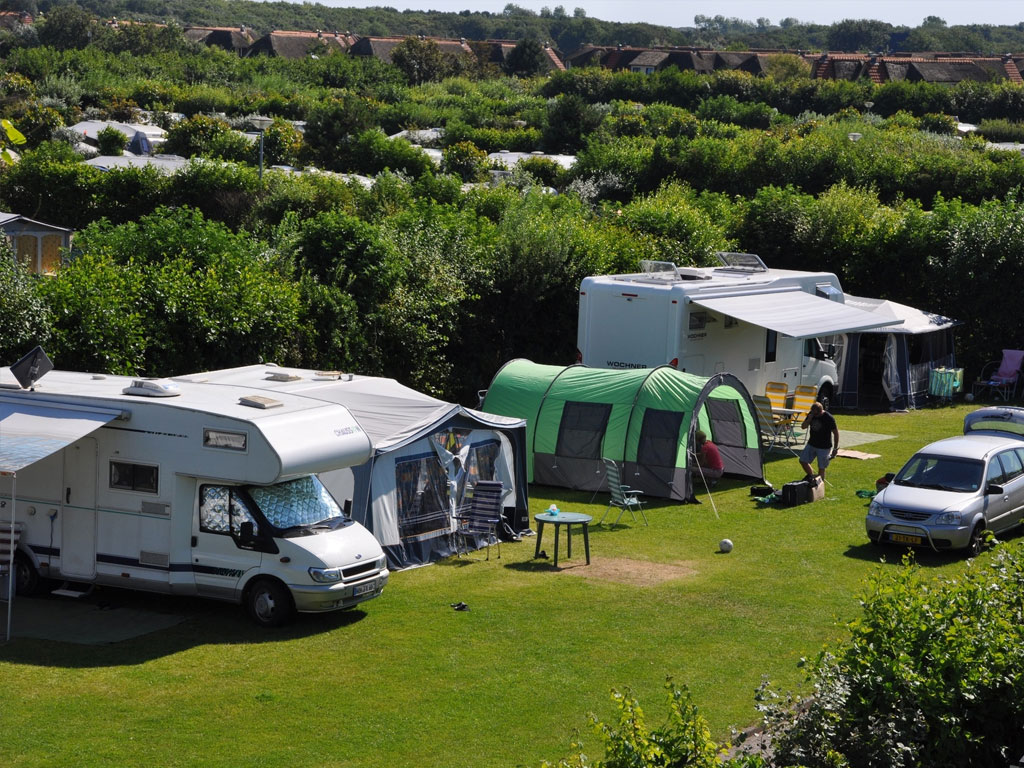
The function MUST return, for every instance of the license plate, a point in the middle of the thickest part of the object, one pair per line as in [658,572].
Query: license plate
[902,538]
[362,589]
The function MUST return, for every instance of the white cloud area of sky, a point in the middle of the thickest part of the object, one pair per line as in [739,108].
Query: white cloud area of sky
[680,13]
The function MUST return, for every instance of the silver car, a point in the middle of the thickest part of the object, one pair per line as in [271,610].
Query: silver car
[953,490]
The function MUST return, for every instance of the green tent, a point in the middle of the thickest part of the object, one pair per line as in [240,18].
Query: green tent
[643,418]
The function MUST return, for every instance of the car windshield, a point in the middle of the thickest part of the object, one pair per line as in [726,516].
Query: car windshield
[301,503]
[941,473]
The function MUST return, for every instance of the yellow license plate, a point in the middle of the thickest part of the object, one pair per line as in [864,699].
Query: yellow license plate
[903,538]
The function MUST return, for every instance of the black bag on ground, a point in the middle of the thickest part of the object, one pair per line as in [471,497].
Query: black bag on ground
[797,492]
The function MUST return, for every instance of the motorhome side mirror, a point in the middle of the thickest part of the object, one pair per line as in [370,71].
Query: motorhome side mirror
[246,532]
[993,489]
[831,351]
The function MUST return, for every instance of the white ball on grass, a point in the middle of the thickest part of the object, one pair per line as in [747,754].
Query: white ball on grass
[725,545]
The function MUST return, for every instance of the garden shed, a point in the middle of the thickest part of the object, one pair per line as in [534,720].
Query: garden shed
[643,418]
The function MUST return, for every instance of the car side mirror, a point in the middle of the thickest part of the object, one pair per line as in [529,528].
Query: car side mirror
[993,489]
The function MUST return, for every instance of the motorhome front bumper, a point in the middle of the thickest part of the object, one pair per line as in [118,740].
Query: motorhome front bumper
[318,598]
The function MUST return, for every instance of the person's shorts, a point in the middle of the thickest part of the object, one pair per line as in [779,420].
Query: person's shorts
[809,454]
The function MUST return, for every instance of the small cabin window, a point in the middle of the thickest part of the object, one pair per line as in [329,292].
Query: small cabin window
[219,438]
[125,476]
[698,321]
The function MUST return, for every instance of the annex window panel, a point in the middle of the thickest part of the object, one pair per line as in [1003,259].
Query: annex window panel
[127,476]
[582,429]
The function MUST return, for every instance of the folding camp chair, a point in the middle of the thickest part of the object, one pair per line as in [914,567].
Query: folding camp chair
[804,396]
[621,496]
[776,392]
[480,517]
[775,428]
[1001,381]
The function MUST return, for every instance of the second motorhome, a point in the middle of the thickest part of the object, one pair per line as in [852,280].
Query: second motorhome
[757,323]
[186,488]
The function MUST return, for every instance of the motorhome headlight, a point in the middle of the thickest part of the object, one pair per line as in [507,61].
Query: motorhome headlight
[382,563]
[325,575]
[950,518]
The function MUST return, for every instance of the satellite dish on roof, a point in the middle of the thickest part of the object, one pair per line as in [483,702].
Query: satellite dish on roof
[31,368]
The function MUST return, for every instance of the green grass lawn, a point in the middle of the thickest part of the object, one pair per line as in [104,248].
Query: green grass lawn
[407,681]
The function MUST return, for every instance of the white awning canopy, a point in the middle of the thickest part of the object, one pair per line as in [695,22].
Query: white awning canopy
[795,313]
[30,432]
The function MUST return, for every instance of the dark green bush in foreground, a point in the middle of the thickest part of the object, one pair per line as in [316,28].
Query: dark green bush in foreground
[932,675]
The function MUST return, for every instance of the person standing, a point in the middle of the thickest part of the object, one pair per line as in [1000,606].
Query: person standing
[822,441]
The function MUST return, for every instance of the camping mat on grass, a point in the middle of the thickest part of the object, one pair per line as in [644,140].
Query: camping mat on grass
[848,438]
[84,623]
[843,453]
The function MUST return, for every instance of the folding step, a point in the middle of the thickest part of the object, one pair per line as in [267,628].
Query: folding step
[69,589]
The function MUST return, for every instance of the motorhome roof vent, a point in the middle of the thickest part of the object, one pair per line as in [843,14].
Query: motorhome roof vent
[666,270]
[282,376]
[741,262]
[259,401]
[152,388]
[692,273]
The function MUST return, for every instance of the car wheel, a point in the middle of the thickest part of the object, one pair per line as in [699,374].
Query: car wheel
[825,396]
[269,603]
[974,544]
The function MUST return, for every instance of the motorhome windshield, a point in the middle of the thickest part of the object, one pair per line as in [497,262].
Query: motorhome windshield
[301,503]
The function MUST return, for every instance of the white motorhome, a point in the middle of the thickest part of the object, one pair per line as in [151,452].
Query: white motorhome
[184,487]
[757,323]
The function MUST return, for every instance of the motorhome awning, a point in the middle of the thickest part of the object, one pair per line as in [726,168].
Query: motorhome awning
[30,432]
[795,313]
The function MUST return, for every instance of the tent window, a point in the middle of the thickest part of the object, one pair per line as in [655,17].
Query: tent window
[659,438]
[771,345]
[581,431]
[726,422]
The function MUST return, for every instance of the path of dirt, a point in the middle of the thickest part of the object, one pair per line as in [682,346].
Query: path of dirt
[638,573]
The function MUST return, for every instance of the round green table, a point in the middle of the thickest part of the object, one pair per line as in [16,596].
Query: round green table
[568,519]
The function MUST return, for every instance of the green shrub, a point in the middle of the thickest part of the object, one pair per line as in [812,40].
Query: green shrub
[684,741]
[111,141]
[1002,130]
[465,160]
[931,675]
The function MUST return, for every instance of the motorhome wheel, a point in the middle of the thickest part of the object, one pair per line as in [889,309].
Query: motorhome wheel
[269,603]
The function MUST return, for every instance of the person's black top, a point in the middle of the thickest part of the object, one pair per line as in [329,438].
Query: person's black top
[821,428]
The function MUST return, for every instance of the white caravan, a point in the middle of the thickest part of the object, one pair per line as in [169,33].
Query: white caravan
[186,488]
[756,323]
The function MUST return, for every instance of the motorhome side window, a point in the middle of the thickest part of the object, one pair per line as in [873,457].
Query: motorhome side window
[698,321]
[222,510]
[126,476]
[771,345]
